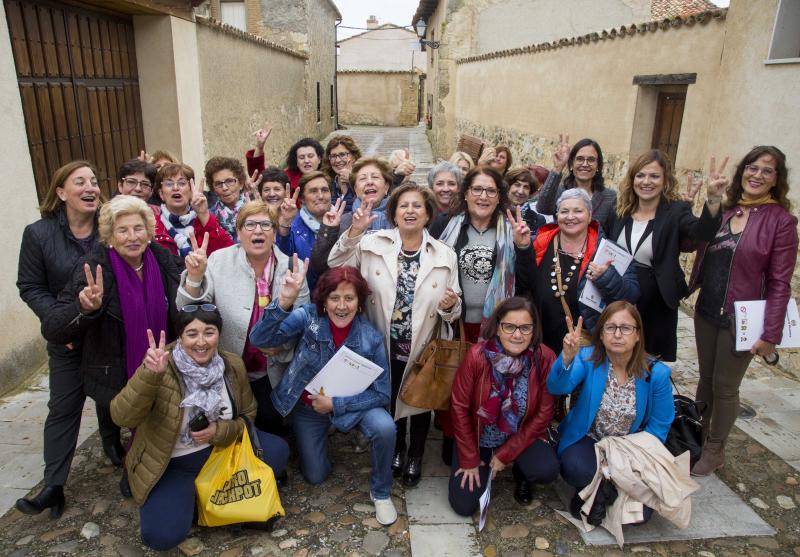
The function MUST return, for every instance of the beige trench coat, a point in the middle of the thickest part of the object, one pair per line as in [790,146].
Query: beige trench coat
[375,255]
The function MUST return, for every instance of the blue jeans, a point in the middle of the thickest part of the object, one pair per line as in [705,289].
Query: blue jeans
[311,433]
[166,516]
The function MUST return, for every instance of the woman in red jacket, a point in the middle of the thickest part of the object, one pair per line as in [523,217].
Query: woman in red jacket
[501,408]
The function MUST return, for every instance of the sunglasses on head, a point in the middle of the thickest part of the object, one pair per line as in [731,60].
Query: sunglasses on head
[191,308]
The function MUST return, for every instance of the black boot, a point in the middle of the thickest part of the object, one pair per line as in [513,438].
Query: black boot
[398,462]
[124,485]
[523,493]
[51,497]
[114,451]
[447,450]
[413,471]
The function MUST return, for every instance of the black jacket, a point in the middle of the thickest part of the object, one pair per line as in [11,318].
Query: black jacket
[102,333]
[47,256]
[674,223]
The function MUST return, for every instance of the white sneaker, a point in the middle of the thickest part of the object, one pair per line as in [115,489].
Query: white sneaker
[385,512]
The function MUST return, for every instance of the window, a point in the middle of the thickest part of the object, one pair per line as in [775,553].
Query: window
[319,106]
[333,106]
[234,14]
[785,45]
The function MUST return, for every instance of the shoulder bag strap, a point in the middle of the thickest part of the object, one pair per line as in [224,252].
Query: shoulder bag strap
[254,440]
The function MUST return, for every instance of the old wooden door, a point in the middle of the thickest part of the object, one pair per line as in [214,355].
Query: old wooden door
[667,129]
[79,87]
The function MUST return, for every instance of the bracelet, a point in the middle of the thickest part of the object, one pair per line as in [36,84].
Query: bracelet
[193,284]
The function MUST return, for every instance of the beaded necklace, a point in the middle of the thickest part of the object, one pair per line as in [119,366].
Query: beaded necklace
[560,288]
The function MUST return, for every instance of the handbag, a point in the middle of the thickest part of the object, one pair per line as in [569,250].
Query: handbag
[430,379]
[686,431]
[235,485]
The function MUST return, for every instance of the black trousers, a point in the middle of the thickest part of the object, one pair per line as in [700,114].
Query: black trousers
[267,418]
[420,423]
[63,421]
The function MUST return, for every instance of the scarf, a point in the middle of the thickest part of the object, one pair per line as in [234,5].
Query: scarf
[309,220]
[203,386]
[143,303]
[178,228]
[501,408]
[382,222]
[227,216]
[765,199]
[255,361]
[502,284]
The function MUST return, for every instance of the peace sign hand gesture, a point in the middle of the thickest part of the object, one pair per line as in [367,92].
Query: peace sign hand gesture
[561,155]
[288,209]
[717,180]
[519,229]
[156,358]
[199,202]
[292,283]
[251,185]
[91,297]
[334,216]
[572,341]
[362,218]
[196,260]
[692,188]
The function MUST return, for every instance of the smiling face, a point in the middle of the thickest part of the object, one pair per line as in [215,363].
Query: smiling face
[573,217]
[519,192]
[257,243]
[445,189]
[307,160]
[463,165]
[648,183]
[137,185]
[517,342]
[370,185]
[481,206]
[617,343]
[584,165]
[341,305]
[317,197]
[80,192]
[499,162]
[199,340]
[340,158]
[129,238]
[273,193]
[176,192]
[227,187]
[411,215]
[759,177]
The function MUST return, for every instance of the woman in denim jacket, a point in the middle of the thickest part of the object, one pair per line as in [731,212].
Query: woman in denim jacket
[320,329]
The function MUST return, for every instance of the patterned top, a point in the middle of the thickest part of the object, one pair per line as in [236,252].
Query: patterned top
[715,275]
[617,409]
[475,269]
[400,327]
[491,436]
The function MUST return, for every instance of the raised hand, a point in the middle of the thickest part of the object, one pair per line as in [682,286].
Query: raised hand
[251,185]
[91,297]
[196,260]
[199,202]
[333,217]
[406,166]
[145,157]
[261,136]
[448,300]
[692,187]
[561,155]
[288,209]
[292,283]
[519,228]
[572,341]
[717,180]
[156,358]
[487,156]
[362,218]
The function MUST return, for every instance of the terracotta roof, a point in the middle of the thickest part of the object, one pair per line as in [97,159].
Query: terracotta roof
[244,35]
[416,71]
[661,9]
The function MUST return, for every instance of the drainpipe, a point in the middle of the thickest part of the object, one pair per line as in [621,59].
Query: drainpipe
[336,71]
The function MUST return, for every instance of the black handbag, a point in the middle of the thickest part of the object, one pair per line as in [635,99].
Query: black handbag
[686,431]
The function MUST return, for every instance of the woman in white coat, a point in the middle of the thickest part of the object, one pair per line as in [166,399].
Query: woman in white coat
[414,282]
[241,280]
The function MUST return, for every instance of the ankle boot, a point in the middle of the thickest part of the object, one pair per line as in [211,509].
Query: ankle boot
[51,497]
[713,457]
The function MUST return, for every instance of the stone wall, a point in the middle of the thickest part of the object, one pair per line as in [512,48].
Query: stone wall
[321,67]
[378,98]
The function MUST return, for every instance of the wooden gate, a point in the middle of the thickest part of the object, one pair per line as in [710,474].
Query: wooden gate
[669,116]
[79,87]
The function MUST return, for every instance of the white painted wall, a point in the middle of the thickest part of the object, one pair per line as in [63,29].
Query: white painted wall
[386,49]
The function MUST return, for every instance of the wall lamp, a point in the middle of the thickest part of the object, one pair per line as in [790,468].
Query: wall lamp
[421,28]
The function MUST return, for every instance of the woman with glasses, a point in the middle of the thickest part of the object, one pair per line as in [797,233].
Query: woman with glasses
[184,212]
[340,155]
[752,257]
[622,391]
[124,286]
[584,162]
[501,409]
[242,280]
[175,387]
[136,177]
[226,179]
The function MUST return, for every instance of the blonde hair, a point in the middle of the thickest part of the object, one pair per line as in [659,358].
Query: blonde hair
[255,208]
[120,206]
[52,203]
[462,156]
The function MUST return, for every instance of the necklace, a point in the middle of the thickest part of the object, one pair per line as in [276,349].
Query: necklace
[410,254]
[560,288]
[140,267]
[578,255]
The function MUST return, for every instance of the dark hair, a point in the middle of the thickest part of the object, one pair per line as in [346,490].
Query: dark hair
[427,199]
[637,365]
[522,174]
[134,166]
[509,158]
[381,164]
[345,141]
[516,303]
[598,182]
[330,281]
[781,189]
[273,174]
[312,176]
[215,164]
[183,318]
[291,156]
[460,205]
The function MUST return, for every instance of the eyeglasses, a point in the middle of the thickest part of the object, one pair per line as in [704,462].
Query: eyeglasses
[191,308]
[478,191]
[765,171]
[586,160]
[170,184]
[250,225]
[133,182]
[227,183]
[339,156]
[510,328]
[611,329]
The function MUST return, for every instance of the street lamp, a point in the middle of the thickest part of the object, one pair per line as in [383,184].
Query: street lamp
[421,28]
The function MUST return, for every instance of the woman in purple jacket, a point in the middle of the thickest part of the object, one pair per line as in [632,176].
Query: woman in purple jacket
[752,257]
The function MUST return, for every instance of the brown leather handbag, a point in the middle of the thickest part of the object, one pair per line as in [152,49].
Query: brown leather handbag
[430,380]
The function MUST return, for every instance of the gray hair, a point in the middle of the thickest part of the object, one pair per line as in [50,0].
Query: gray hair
[444,166]
[575,193]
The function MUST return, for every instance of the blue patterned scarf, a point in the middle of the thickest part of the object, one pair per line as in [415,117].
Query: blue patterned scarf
[178,228]
[226,216]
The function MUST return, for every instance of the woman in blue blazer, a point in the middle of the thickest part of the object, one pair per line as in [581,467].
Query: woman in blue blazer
[620,391]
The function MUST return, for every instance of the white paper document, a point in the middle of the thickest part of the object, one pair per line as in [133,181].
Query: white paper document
[620,260]
[484,499]
[345,374]
[750,324]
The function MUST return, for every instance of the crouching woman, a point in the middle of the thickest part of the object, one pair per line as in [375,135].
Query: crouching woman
[173,386]
[501,408]
[320,330]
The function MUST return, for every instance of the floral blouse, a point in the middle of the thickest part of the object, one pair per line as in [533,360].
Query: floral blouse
[400,329]
[617,408]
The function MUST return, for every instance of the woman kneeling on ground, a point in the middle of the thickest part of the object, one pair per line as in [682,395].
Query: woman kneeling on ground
[173,386]
[320,329]
[501,408]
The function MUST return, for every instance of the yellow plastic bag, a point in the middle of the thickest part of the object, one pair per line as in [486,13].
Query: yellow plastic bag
[236,486]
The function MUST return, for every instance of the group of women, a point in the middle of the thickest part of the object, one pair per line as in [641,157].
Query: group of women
[341,250]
